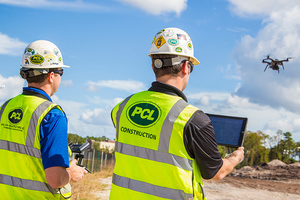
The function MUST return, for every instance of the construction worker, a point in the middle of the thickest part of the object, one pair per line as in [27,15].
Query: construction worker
[165,147]
[33,132]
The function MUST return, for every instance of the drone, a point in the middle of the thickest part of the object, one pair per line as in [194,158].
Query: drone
[274,63]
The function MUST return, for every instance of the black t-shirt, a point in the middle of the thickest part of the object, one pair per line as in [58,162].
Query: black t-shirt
[199,136]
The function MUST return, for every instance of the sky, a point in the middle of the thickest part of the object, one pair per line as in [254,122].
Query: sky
[106,43]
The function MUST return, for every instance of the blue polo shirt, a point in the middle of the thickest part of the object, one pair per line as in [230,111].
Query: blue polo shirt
[54,136]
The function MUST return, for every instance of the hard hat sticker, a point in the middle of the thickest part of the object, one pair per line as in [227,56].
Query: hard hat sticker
[178,49]
[189,44]
[50,58]
[160,31]
[173,41]
[153,39]
[56,51]
[181,37]
[29,52]
[36,59]
[168,33]
[159,42]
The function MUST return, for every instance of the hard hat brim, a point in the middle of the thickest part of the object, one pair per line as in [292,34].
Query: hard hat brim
[194,60]
[48,67]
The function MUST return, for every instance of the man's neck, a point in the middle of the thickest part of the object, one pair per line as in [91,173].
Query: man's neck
[42,86]
[172,80]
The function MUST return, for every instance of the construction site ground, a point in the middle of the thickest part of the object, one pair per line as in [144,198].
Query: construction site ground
[275,180]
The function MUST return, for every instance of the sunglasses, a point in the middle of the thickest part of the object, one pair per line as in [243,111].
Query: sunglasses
[60,72]
[192,66]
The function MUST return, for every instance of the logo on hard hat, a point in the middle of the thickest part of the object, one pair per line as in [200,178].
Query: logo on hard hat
[189,45]
[159,42]
[36,59]
[144,114]
[178,49]
[168,33]
[181,37]
[173,41]
[15,116]
[29,52]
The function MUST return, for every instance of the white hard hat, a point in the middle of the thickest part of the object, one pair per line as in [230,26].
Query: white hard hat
[42,54]
[173,41]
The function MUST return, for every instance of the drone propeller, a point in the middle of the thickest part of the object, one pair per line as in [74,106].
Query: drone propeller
[266,68]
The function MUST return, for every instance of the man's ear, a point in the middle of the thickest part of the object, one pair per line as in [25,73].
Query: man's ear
[185,68]
[50,77]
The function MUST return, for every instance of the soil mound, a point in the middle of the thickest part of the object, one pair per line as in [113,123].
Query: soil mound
[276,163]
[274,170]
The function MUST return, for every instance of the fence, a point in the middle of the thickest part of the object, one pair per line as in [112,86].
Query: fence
[96,160]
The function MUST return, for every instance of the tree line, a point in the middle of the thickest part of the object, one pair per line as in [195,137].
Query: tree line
[262,148]
[259,147]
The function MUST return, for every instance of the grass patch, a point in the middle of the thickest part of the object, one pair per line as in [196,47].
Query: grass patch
[90,184]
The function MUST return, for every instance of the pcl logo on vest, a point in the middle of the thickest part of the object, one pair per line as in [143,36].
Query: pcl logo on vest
[143,114]
[15,116]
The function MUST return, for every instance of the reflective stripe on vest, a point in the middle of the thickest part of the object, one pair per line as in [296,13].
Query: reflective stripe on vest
[27,149]
[148,188]
[155,156]
[118,119]
[26,184]
[168,125]
[160,155]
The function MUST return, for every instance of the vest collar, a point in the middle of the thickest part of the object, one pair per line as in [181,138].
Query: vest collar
[167,89]
[36,92]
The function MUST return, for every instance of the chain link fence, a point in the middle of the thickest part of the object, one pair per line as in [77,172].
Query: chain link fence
[97,160]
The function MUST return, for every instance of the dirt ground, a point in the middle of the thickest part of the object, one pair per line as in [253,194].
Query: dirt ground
[275,180]
[231,188]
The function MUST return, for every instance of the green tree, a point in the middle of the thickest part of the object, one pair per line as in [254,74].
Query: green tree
[96,145]
[287,147]
[255,151]
[76,139]
[222,151]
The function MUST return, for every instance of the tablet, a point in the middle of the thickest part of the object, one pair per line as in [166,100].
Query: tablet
[229,130]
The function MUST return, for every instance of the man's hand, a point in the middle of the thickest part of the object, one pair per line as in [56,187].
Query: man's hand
[76,172]
[237,156]
[229,163]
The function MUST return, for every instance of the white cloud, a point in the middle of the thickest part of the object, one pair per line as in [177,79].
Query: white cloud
[11,46]
[78,5]
[67,83]
[260,117]
[279,38]
[205,100]
[260,8]
[130,86]
[84,121]
[97,116]
[158,7]
[10,87]
[219,96]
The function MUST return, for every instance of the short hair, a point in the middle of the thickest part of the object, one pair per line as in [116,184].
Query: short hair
[172,70]
[40,78]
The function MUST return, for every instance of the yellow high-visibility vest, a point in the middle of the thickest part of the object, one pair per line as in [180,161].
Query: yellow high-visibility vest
[22,175]
[151,159]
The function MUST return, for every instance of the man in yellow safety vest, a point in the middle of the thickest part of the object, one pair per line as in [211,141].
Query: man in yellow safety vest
[165,147]
[33,132]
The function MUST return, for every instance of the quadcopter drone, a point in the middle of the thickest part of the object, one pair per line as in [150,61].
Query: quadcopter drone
[274,63]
